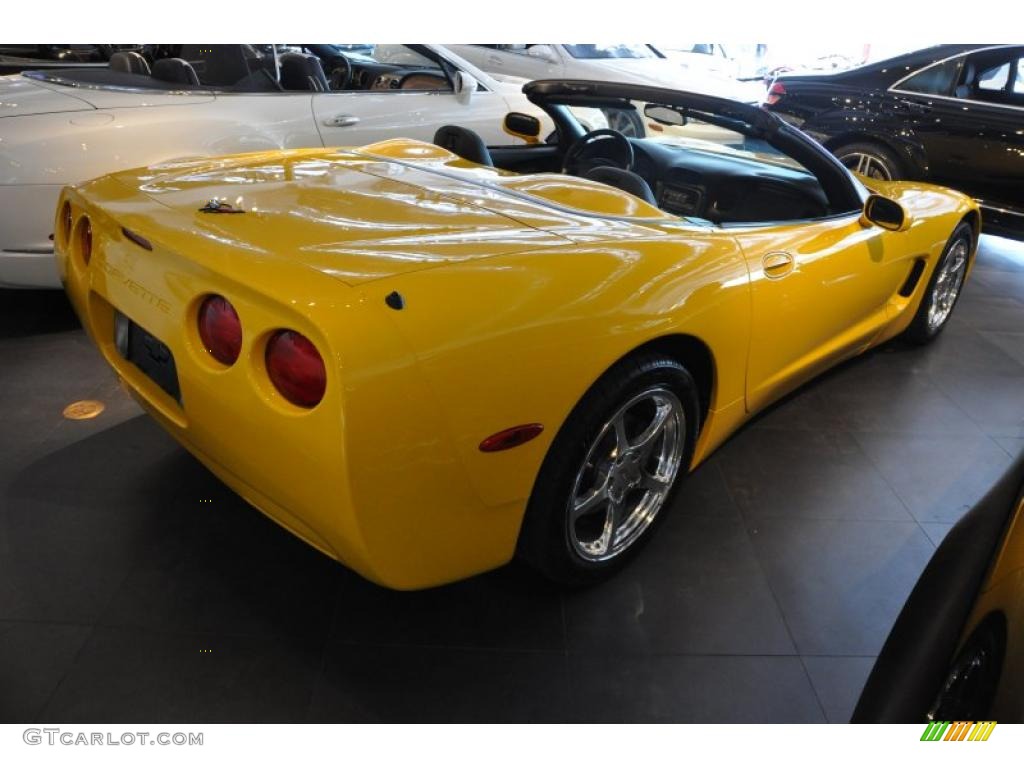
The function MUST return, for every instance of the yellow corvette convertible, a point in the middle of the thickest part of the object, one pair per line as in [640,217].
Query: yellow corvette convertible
[425,359]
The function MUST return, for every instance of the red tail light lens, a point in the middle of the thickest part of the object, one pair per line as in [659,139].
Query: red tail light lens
[220,329]
[296,368]
[85,239]
[776,92]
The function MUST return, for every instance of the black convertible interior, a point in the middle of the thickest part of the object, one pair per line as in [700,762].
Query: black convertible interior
[690,179]
[725,187]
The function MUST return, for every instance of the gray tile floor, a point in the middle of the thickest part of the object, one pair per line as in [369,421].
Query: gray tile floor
[765,596]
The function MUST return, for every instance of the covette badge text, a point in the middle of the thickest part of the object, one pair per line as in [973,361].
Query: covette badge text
[136,288]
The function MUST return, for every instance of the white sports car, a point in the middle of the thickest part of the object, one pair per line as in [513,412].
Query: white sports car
[63,126]
[638,64]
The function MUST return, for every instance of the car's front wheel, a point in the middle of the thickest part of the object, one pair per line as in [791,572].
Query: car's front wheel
[944,287]
[612,470]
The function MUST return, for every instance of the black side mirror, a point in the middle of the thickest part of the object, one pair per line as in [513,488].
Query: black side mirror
[522,126]
[885,213]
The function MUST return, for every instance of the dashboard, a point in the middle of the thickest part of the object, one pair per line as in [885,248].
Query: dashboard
[725,188]
[374,76]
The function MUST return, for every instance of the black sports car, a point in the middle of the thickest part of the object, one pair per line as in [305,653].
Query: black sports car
[950,114]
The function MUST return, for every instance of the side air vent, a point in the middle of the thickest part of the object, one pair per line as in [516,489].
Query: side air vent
[912,279]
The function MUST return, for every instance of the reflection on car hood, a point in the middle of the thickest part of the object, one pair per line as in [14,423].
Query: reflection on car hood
[22,96]
[360,215]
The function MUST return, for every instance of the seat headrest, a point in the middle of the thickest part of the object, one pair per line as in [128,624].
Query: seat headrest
[622,179]
[302,72]
[175,71]
[130,61]
[966,88]
[464,143]
[217,65]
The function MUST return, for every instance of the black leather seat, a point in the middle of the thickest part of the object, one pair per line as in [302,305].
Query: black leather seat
[464,143]
[177,71]
[130,61]
[622,179]
[302,72]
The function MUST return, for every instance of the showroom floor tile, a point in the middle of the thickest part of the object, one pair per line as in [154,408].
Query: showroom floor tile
[126,675]
[415,684]
[135,587]
[36,657]
[692,689]
[838,681]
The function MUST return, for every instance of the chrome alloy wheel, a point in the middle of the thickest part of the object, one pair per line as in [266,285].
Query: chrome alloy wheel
[948,284]
[627,475]
[867,165]
[625,122]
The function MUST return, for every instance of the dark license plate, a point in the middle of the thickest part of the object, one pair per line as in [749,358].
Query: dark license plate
[150,355]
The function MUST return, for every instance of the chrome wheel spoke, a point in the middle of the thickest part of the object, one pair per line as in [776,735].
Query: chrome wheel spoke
[623,482]
[606,541]
[867,165]
[653,483]
[621,439]
[645,443]
[591,501]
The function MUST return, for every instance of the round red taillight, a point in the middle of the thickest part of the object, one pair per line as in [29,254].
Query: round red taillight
[65,223]
[85,239]
[220,329]
[296,368]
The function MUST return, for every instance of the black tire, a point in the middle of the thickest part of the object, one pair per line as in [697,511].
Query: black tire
[921,330]
[545,541]
[882,162]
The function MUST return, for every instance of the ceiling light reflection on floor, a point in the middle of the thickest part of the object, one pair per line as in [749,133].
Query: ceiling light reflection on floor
[83,409]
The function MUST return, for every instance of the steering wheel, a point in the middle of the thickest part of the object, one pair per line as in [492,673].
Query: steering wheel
[598,148]
[341,72]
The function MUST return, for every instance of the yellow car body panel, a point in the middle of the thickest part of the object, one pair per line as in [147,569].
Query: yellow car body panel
[519,291]
[1003,593]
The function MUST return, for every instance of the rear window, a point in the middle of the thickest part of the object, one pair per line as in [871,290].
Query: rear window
[937,80]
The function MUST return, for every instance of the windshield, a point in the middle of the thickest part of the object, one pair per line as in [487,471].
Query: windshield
[614,51]
[698,133]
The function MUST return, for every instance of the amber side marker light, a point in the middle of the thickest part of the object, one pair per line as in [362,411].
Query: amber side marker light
[511,437]
[81,410]
[139,240]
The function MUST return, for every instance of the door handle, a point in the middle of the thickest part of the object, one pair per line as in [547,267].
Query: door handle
[340,121]
[777,265]
[915,107]
[495,60]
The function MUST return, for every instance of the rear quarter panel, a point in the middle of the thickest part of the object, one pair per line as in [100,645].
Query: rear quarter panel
[519,339]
